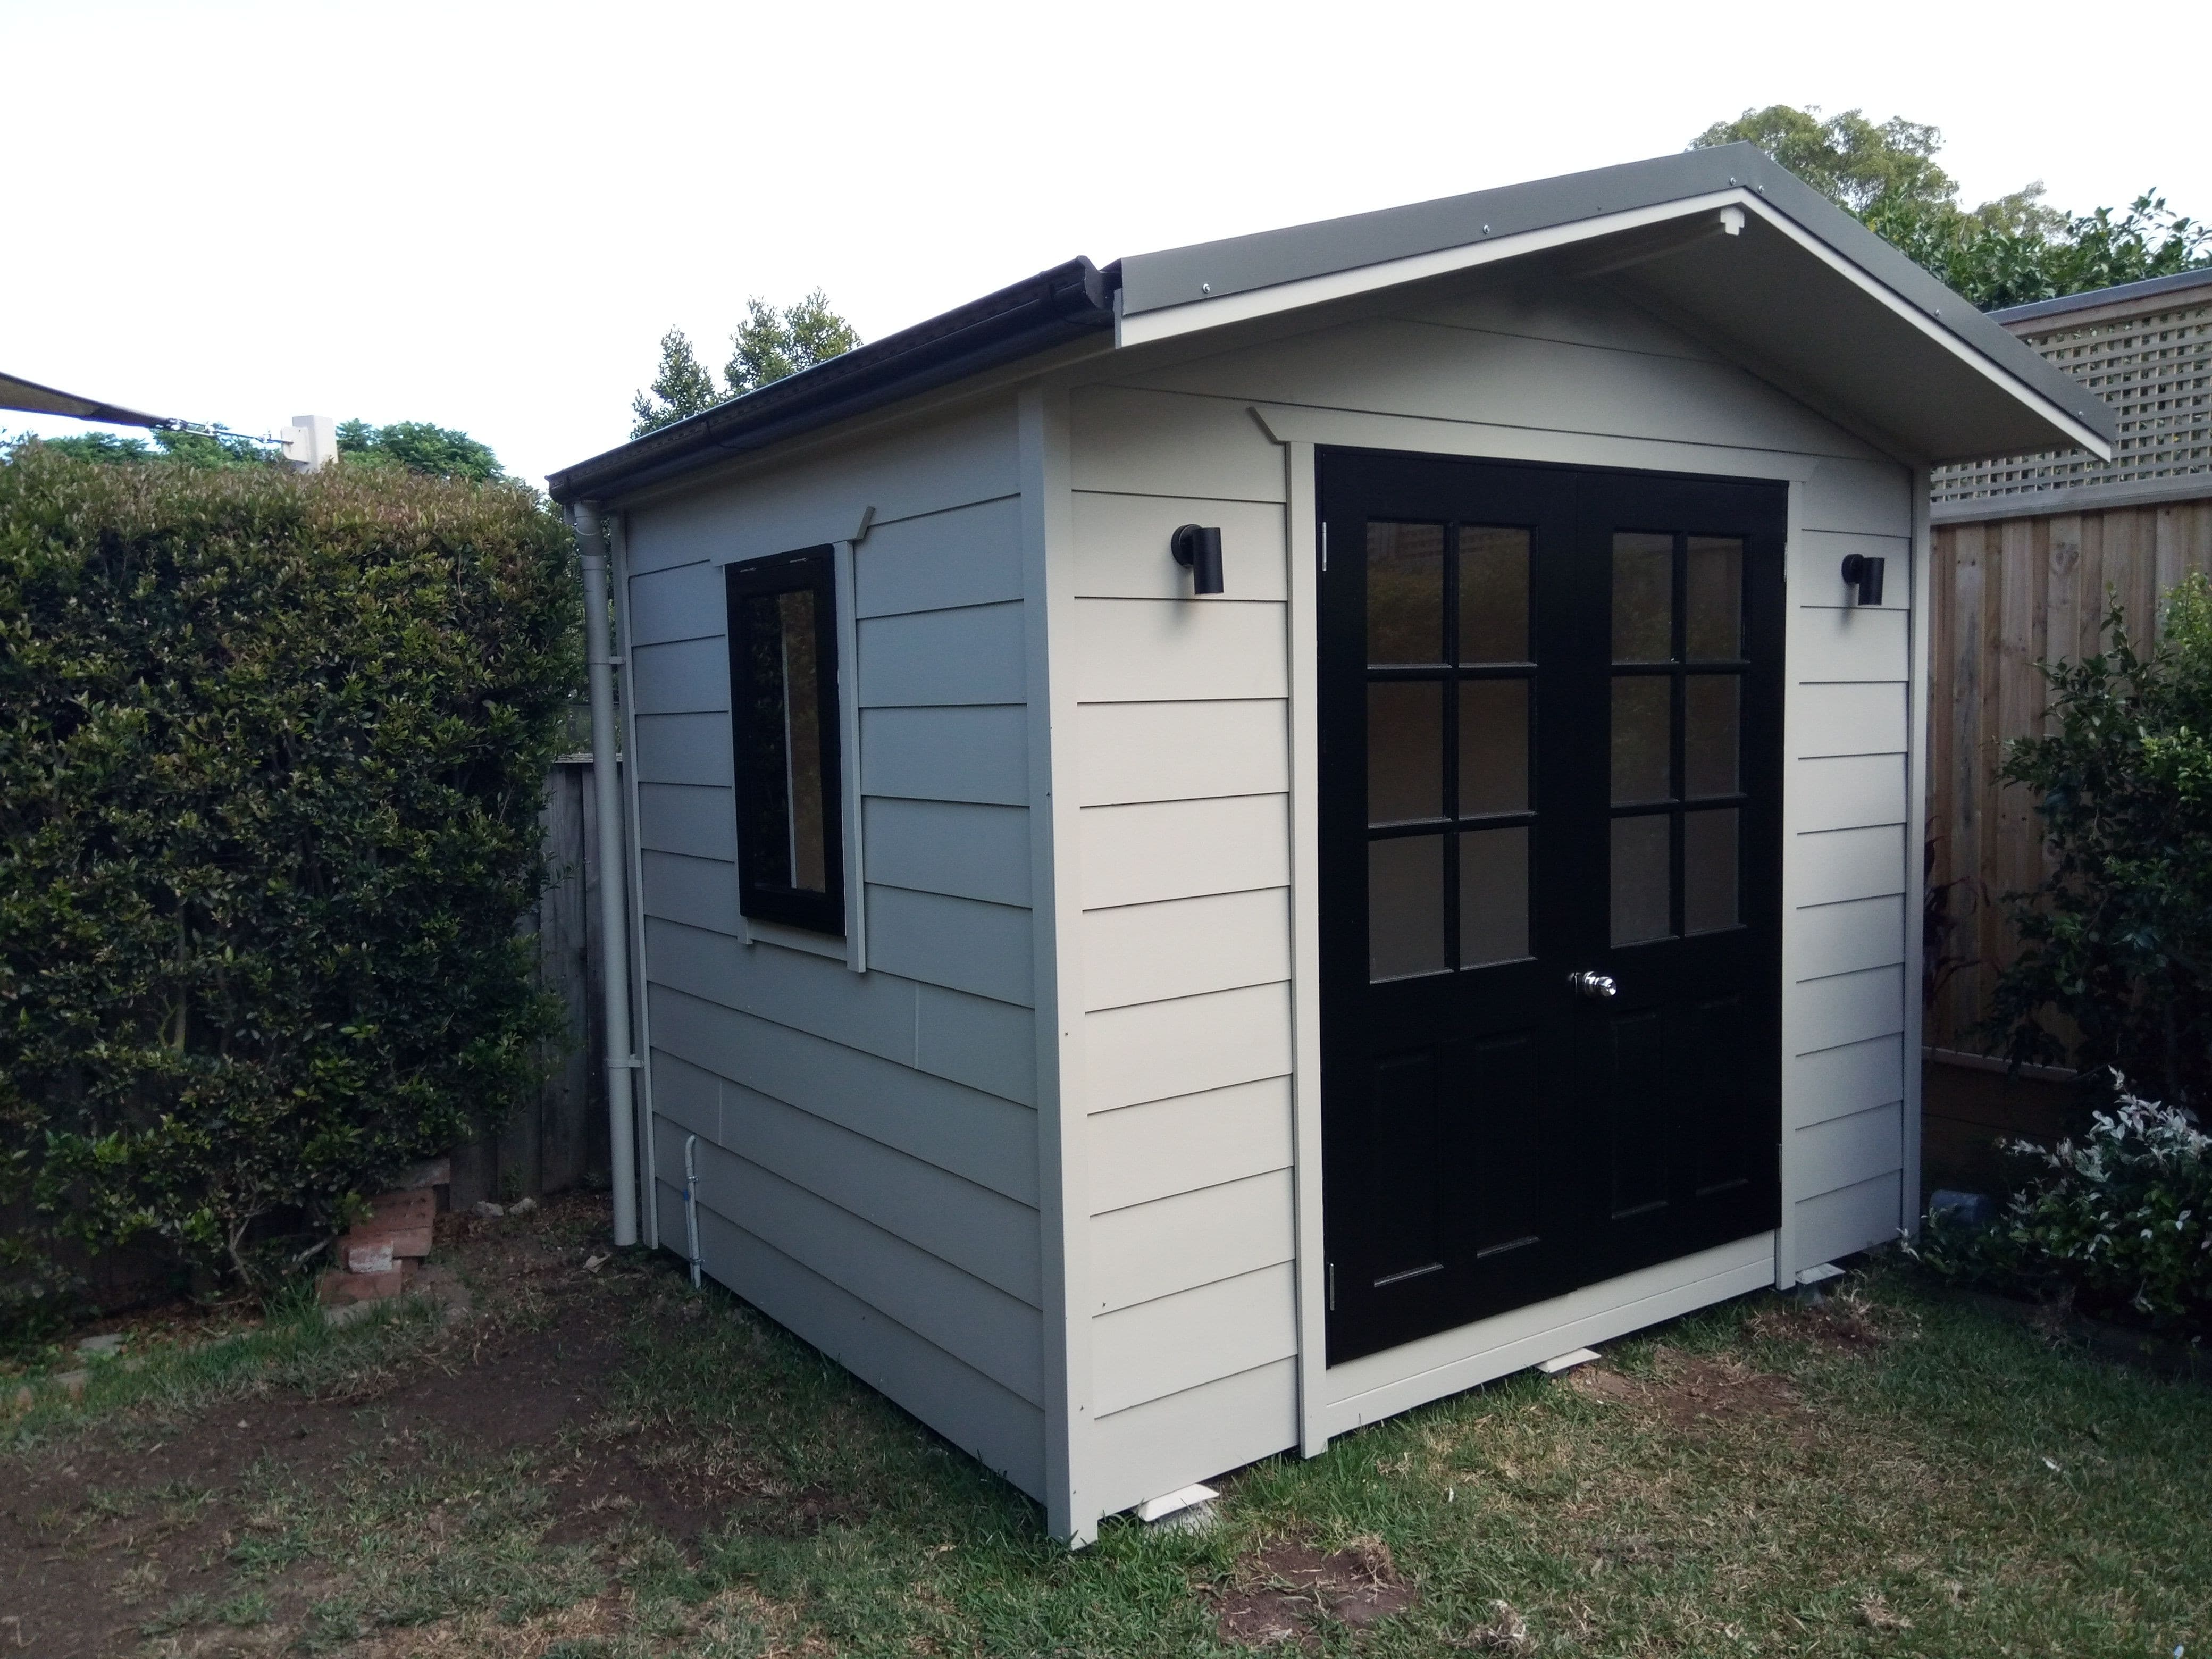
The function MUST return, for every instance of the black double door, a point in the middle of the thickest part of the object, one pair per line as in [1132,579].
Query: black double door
[1550,723]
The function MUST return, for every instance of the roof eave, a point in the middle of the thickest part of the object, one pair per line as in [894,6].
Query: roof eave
[1049,309]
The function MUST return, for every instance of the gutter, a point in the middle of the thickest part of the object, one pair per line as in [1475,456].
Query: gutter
[1051,309]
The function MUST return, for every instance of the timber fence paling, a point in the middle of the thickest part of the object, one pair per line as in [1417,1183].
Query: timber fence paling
[2009,593]
[557,1139]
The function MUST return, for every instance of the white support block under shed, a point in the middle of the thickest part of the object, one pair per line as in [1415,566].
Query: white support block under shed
[1820,1275]
[1567,1362]
[1174,1502]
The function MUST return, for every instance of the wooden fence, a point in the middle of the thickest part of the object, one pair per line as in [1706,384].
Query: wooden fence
[2029,553]
[559,1140]
[2007,595]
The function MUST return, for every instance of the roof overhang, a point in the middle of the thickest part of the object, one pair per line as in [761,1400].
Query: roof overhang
[1724,242]
[17,393]
[1790,284]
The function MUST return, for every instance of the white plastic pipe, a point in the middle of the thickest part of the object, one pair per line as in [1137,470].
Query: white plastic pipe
[614,912]
[691,1204]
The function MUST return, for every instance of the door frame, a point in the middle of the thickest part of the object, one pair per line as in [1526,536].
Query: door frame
[1451,1361]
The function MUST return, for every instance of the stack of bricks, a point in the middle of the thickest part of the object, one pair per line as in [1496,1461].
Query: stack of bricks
[379,1256]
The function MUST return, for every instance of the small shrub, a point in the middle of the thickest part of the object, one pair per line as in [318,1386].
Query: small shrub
[2117,1222]
[2116,942]
[272,752]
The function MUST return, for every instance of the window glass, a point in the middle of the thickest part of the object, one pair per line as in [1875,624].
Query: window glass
[1714,626]
[1711,736]
[1493,896]
[1642,597]
[784,730]
[1493,746]
[1641,894]
[1405,751]
[1405,592]
[1493,594]
[1710,878]
[1405,906]
[1643,730]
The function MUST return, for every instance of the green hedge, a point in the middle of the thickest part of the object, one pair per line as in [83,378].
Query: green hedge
[272,749]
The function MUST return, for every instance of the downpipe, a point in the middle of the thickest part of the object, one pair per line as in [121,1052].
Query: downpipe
[614,910]
[691,1204]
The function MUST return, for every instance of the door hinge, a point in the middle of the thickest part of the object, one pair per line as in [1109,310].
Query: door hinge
[1332,1287]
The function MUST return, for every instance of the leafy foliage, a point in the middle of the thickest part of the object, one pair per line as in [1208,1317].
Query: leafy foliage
[2121,1222]
[436,451]
[2117,940]
[768,346]
[213,450]
[681,388]
[771,344]
[2007,251]
[272,748]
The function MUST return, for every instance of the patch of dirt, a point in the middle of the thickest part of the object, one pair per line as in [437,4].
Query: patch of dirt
[1285,1593]
[1504,1631]
[1699,1394]
[104,1531]
[1843,1322]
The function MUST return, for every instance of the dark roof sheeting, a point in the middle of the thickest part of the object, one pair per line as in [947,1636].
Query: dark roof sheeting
[1812,327]
[1049,309]
[1151,282]
[29,396]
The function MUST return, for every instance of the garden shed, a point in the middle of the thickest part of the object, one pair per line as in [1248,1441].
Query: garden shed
[1225,845]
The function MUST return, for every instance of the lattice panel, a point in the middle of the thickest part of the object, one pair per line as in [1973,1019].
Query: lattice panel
[2153,368]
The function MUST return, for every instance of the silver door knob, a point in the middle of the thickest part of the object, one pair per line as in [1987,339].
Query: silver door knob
[1597,986]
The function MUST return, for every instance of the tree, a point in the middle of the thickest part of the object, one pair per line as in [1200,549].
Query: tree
[215,449]
[2010,250]
[768,346]
[435,451]
[684,386]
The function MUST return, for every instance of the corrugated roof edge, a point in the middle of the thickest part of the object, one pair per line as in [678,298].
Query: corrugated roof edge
[2119,293]
[1020,320]
[1172,276]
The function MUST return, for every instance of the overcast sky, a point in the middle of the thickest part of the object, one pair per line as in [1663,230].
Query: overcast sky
[485,215]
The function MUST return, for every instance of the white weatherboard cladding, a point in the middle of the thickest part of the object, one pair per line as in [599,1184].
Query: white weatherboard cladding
[1184,765]
[868,1170]
[1080,841]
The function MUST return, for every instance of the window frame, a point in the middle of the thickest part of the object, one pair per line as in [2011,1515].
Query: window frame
[811,569]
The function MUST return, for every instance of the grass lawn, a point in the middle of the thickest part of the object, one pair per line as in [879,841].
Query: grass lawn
[609,1464]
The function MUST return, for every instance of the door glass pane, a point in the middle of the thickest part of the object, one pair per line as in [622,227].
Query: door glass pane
[1643,728]
[1405,751]
[1709,870]
[1493,594]
[1714,626]
[1493,896]
[1405,907]
[1711,733]
[1405,592]
[802,746]
[1640,895]
[1642,597]
[1493,746]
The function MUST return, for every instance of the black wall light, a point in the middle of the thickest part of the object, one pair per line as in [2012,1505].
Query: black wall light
[1863,574]
[1197,550]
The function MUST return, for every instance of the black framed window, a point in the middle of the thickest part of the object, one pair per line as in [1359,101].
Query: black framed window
[784,723]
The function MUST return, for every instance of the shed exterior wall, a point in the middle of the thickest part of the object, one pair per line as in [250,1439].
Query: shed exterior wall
[867,1142]
[1088,879]
[1187,753]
